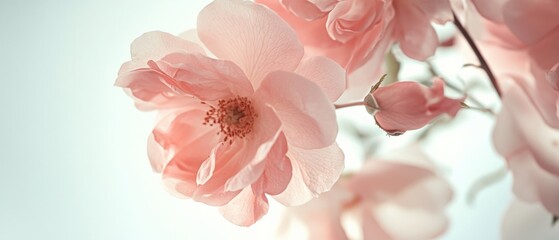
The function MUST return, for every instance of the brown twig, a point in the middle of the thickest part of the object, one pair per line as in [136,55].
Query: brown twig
[351,104]
[475,49]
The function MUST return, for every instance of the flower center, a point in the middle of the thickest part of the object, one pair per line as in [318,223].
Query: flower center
[235,117]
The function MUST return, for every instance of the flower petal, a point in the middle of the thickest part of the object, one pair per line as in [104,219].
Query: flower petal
[277,175]
[153,46]
[307,115]
[149,90]
[520,126]
[371,226]
[492,10]
[530,21]
[386,177]
[314,171]
[438,11]
[531,183]
[304,9]
[326,73]
[246,208]
[187,144]
[203,77]
[241,162]
[417,37]
[270,151]
[251,36]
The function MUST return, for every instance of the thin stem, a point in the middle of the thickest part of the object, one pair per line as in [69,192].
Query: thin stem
[475,49]
[351,104]
[450,85]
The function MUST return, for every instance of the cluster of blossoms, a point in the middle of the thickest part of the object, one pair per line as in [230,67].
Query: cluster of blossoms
[247,104]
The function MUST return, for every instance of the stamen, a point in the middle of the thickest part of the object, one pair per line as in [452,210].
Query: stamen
[235,117]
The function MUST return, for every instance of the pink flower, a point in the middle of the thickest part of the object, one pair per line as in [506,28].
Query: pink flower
[385,197]
[353,32]
[534,23]
[527,135]
[404,106]
[256,121]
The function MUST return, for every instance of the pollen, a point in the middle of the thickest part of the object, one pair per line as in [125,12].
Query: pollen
[235,117]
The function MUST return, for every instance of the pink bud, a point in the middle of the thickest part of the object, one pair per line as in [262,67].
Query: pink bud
[404,106]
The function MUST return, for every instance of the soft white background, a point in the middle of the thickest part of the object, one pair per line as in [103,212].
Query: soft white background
[73,147]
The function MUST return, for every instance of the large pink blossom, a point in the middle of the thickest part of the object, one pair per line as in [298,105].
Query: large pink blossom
[404,106]
[353,32]
[527,135]
[386,196]
[256,120]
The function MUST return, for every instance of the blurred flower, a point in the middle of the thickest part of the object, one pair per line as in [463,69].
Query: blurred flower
[355,31]
[386,196]
[257,120]
[526,132]
[534,23]
[404,106]
[527,135]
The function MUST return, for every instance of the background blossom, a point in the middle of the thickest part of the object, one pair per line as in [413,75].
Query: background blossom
[387,195]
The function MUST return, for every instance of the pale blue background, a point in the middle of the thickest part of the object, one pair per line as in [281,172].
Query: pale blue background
[73,162]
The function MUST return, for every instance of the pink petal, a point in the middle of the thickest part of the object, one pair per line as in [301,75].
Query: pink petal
[528,221]
[203,77]
[532,183]
[242,162]
[325,224]
[530,21]
[270,154]
[371,227]
[492,10]
[520,126]
[304,9]
[349,19]
[544,52]
[326,73]
[307,115]
[438,11]
[403,196]
[270,44]
[416,36]
[323,215]
[409,105]
[172,134]
[187,143]
[314,172]
[156,155]
[278,173]
[419,223]
[149,90]
[381,178]
[246,208]
[155,45]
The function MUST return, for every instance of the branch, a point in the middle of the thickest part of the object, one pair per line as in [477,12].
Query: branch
[482,62]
